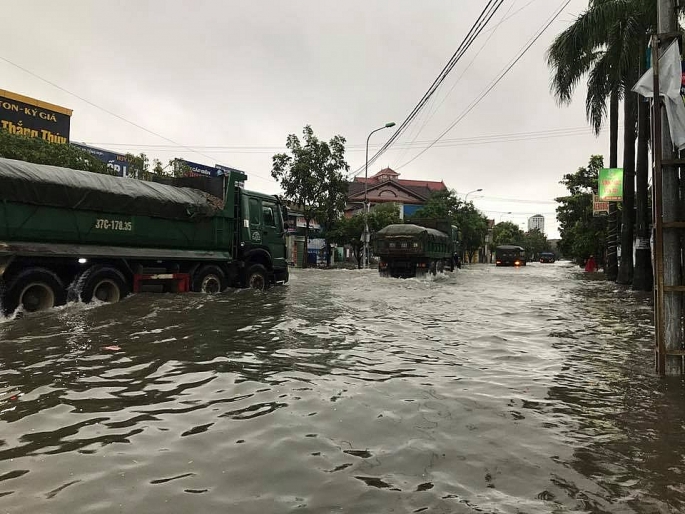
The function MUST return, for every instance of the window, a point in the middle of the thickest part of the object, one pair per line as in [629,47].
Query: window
[268,215]
[255,212]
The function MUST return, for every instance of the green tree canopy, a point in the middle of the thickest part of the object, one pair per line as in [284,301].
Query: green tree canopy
[38,151]
[507,233]
[582,234]
[348,231]
[310,176]
[535,242]
[472,223]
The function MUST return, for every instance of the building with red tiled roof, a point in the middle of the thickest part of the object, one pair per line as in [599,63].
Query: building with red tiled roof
[385,187]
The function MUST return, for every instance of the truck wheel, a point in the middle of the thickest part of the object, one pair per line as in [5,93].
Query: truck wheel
[102,283]
[257,277]
[209,279]
[34,289]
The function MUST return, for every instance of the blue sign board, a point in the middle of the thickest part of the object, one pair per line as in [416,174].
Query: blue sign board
[116,161]
[203,170]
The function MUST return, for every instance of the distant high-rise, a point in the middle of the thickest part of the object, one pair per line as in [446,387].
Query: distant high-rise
[537,222]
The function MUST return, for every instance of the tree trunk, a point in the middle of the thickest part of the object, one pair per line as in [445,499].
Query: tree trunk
[612,260]
[328,254]
[643,277]
[625,272]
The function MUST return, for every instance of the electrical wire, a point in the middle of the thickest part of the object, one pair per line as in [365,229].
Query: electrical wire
[494,83]
[481,22]
[145,129]
[445,143]
[434,109]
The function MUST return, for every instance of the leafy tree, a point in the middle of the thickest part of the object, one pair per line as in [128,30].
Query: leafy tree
[507,233]
[581,233]
[441,204]
[311,177]
[348,231]
[383,215]
[38,151]
[535,242]
[606,42]
[472,224]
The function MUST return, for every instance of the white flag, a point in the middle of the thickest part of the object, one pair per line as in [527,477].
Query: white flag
[670,76]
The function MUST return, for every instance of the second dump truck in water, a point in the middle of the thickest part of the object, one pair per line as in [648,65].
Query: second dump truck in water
[94,236]
[422,246]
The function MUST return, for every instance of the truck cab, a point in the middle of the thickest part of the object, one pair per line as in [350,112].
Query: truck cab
[261,239]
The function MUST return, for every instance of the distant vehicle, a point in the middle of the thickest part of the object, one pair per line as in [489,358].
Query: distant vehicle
[416,248]
[510,255]
[547,257]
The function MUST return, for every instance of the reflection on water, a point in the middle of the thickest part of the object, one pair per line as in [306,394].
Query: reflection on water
[487,390]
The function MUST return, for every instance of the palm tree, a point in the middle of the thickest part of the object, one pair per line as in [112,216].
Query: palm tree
[643,278]
[604,44]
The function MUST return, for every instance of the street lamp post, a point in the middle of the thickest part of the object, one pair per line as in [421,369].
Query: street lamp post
[474,191]
[503,214]
[366,200]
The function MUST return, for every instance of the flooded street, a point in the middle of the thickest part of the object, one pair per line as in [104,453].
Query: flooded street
[486,390]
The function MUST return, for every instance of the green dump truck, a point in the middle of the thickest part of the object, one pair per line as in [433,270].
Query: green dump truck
[73,234]
[413,249]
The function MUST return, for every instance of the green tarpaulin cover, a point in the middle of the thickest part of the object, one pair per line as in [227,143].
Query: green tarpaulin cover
[40,184]
[400,230]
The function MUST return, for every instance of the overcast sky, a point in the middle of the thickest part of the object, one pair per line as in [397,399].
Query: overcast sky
[232,79]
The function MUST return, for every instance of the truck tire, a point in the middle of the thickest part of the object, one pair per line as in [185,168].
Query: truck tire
[209,279]
[257,277]
[34,289]
[103,283]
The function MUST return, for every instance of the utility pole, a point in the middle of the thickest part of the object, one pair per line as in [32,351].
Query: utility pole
[668,294]
[366,196]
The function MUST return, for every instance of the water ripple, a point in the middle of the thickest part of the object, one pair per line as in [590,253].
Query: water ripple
[486,390]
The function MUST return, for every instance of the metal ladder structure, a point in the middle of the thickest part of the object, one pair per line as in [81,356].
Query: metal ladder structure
[668,231]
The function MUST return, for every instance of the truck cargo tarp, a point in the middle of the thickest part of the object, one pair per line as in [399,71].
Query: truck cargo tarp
[400,230]
[39,184]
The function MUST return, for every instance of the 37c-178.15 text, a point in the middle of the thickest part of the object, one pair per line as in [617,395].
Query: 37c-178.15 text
[103,224]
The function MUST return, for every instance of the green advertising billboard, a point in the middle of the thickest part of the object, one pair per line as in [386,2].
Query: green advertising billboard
[611,184]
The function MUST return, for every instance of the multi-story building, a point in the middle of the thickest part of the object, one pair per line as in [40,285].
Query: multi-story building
[536,222]
[386,187]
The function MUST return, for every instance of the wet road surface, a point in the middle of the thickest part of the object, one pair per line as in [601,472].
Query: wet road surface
[486,390]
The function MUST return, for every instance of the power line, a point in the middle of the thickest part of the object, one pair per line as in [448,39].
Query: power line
[435,109]
[517,200]
[445,143]
[178,145]
[488,11]
[483,19]
[355,147]
[494,83]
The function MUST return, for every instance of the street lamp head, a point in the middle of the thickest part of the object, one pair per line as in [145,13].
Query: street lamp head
[390,124]
[479,190]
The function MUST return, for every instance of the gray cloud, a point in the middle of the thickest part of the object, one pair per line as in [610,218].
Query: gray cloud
[219,73]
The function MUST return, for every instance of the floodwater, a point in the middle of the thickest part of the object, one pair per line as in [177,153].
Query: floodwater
[485,390]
